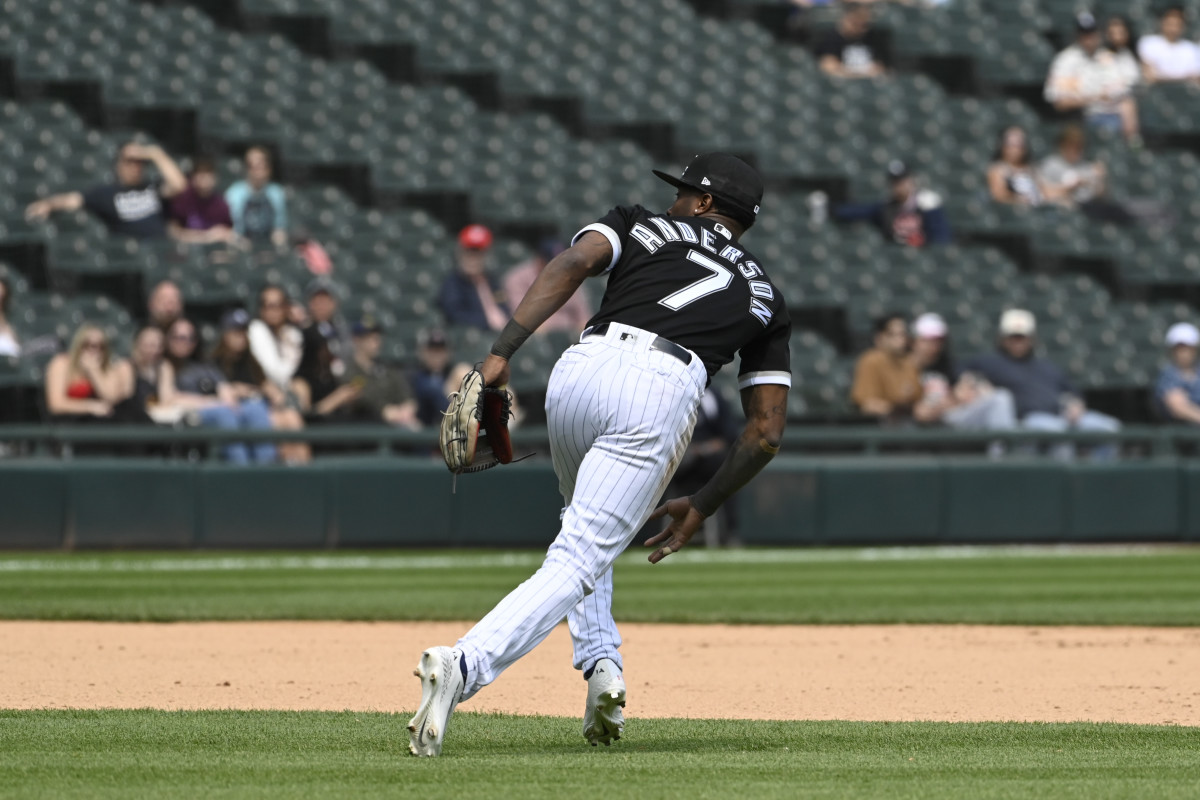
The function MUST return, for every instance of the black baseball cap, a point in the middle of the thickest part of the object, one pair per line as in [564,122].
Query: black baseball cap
[237,319]
[897,169]
[724,176]
[1086,23]
[366,326]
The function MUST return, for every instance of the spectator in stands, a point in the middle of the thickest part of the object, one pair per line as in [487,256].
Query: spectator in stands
[10,345]
[164,306]
[384,393]
[326,341]
[434,363]
[1086,77]
[1118,40]
[1168,56]
[88,382]
[471,295]
[1072,182]
[1011,177]
[715,431]
[573,316]
[886,382]
[199,214]
[245,375]
[910,216]
[1177,390]
[960,400]
[202,391]
[154,387]
[848,51]
[276,343]
[1045,398]
[258,206]
[133,205]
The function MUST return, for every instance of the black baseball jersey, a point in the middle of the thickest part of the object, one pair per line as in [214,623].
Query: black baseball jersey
[688,280]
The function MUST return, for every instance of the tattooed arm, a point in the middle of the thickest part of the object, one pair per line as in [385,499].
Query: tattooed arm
[766,413]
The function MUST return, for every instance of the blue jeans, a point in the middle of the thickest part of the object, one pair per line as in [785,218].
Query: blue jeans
[1089,421]
[246,415]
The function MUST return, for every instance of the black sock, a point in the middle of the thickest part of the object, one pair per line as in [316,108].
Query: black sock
[587,676]
[462,665]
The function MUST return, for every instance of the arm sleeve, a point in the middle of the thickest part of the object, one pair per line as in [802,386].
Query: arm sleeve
[866,381]
[937,227]
[1059,81]
[768,358]
[829,45]
[1168,379]
[279,202]
[614,226]
[98,200]
[856,212]
[266,351]
[221,212]
[235,198]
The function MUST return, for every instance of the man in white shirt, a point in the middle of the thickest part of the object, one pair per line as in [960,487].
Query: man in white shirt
[1086,77]
[1167,56]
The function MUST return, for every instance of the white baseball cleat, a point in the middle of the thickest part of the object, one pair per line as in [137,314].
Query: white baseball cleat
[441,689]
[603,719]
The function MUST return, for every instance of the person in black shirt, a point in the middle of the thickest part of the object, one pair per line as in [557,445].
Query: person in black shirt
[848,51]
[133,206]
[684,296]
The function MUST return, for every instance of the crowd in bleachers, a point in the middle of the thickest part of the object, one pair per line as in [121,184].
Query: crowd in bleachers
[278,303]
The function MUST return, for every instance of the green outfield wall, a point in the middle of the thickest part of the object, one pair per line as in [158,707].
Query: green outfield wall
[398,502]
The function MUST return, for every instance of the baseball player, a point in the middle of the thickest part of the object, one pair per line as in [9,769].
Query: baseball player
[683,296]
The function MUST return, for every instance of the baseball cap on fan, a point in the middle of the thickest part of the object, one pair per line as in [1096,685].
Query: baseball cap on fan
[1183,333]
[1017,322]
[475,237]
[724,176]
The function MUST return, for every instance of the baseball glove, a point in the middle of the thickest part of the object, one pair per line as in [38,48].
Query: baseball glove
[474,434]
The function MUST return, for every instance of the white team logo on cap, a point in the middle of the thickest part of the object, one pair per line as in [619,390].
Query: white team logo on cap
[705,182]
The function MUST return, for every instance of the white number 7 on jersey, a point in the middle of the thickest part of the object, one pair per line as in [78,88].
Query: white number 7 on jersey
[720,278]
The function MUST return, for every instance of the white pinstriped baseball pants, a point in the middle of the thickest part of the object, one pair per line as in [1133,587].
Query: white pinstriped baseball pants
[620,416]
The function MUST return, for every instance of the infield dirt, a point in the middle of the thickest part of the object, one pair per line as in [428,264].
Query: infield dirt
[858,672]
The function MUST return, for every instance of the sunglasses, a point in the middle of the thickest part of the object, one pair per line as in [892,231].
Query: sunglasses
[182,337]
[272,305]
[93,345]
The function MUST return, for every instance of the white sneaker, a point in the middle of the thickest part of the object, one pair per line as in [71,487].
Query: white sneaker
[441,689]
[603,719]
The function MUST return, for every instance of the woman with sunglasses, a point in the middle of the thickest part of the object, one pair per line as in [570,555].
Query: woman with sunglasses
[202,390]
[87,382]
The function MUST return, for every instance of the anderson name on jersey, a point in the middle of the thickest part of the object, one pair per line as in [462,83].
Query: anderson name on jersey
[687,280]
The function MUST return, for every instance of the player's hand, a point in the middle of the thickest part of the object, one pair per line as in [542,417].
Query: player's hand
[495,371]
[685,521]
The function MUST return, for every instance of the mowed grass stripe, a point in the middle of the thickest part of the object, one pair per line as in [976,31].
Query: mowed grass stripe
[156,754]
[1139,587]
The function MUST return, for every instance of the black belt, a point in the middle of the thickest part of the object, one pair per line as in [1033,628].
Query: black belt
[659,343]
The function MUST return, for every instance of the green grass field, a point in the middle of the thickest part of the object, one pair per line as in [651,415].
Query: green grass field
[153,754]
[983,585]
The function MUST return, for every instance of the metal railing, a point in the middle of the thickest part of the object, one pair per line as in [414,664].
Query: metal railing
[383,440]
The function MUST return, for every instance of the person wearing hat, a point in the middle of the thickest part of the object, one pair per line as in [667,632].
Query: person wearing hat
[326,341]
[573,316]
[1177,390]
[435,363]
[380,392]
[1044,396]
[685,296]
[960,400]
[1087,78]
[470,295]
[910,216]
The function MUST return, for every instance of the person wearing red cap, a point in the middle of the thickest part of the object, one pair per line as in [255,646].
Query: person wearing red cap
[471,295]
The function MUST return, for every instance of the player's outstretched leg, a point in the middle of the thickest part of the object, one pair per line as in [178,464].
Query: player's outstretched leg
[603,719]
[443,673]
